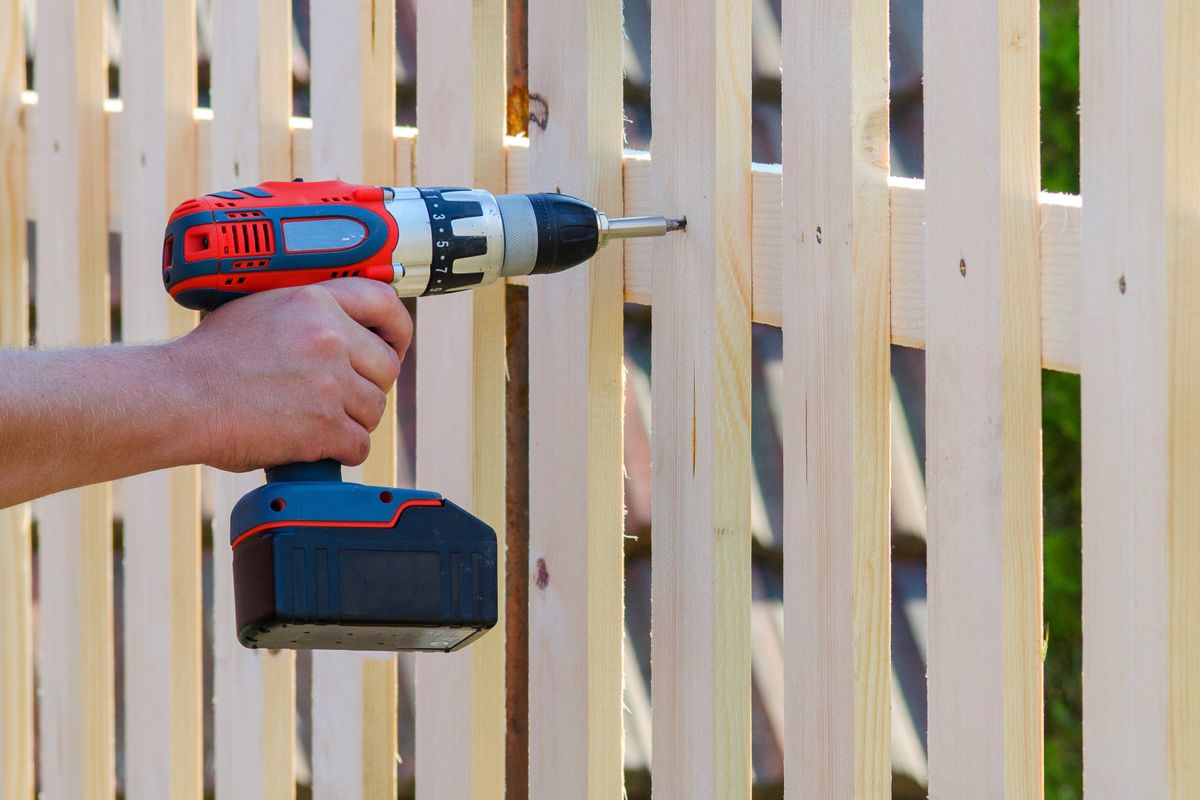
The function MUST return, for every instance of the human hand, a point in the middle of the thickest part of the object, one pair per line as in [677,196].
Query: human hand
[296,374]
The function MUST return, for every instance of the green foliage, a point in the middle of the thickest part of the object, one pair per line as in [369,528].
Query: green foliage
[1063,667]
[1061,439]
[1060,95]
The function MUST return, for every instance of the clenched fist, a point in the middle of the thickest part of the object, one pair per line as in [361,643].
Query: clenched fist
[296,374]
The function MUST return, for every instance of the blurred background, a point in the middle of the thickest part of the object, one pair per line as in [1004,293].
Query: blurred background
[1061,459]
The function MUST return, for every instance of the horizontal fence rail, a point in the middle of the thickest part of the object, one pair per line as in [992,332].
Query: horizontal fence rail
[1059,239]
[993,278]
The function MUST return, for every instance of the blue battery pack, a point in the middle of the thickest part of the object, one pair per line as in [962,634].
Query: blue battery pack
[319,563]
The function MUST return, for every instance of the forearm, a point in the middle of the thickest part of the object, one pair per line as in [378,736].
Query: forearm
[73,417]
[297,374]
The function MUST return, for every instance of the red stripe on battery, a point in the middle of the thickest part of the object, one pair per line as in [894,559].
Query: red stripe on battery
[316,523]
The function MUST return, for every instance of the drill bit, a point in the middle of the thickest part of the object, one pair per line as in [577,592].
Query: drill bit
[636,227]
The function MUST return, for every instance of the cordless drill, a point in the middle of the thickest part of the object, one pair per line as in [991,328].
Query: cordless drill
[319,563]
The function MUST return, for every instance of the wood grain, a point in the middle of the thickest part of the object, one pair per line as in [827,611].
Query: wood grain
[1140,338]
[983,395]
[254,691]
[164,719]
[75,669]
[1059,248]
[1059,258]
[836,424]
[460,386]
[354,698]
[576,513]
[1059,269]
[16,585]
[641,198]
[700,443]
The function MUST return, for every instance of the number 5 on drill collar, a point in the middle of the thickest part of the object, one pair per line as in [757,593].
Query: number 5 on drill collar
[322,564]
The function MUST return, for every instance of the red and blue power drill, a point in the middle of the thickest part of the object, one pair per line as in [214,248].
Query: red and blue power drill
[319,563]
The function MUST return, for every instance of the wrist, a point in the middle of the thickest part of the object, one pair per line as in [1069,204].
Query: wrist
[186,423]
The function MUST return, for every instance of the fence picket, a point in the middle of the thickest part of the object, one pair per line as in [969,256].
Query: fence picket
[353,101]
[16,580]
[75,667]
[254,691]
[993,277]
[836,370]
[576,512]
[1140,410]
[983,355]
[164,720]
[460,386]
[700,435]
[1060,242]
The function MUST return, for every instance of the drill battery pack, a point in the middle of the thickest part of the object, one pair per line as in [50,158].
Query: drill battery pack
[322,564]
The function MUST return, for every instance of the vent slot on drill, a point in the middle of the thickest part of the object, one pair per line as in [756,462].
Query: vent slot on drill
[247,238]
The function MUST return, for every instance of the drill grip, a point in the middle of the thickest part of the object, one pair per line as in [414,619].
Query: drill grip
[307,472]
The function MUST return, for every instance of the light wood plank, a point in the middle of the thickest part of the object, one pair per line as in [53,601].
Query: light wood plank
[766,244]
[640,199]
[836,425]
[1140,339]
[1061,287]
[405,145]
[302,149]
[1059,269]
[75,666]
[460,387]
[516,164]
[1059,258]
[700,587]
[576,512]
[983,335]
[254,691]
[16,585]
[907,202]
[353,100]
[164,719]
[1059,251]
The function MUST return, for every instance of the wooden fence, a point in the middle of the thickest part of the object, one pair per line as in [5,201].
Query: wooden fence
[994,279]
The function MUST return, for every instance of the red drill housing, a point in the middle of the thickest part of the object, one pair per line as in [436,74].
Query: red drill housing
[227,244]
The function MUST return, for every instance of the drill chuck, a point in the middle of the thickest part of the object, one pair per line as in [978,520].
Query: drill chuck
[424,241]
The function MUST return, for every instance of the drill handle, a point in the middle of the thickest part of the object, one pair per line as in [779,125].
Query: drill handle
[307,472]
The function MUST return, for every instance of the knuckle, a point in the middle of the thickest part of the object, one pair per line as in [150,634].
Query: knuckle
[378,406]
[396,363]
[371,409]
[325,339]
[312,294]
[358,446]
[385,292]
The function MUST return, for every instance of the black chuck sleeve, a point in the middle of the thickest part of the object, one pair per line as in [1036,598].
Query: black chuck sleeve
[568,232]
